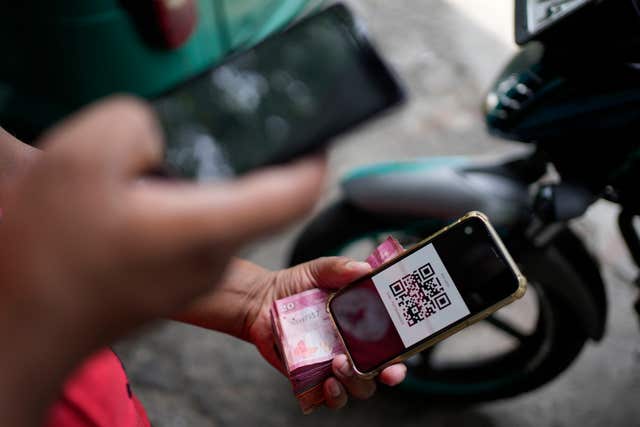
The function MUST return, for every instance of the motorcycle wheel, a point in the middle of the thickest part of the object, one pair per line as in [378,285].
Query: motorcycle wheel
[523,353]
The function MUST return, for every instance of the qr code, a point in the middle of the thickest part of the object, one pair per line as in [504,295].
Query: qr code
[420,294]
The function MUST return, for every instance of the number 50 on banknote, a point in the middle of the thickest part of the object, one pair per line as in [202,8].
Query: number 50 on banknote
[445,283]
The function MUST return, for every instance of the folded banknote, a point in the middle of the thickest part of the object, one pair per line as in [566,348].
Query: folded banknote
[306,338]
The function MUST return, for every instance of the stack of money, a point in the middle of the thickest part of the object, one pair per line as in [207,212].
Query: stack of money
[307,342]
[306,338]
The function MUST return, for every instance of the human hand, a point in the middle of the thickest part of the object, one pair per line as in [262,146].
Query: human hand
[330,273]
[91,247]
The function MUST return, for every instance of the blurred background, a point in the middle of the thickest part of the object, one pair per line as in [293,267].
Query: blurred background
[447,52]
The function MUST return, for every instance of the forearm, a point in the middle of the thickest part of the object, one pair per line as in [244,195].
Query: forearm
[239,294]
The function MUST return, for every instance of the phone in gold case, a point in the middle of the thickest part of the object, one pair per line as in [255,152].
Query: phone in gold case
[454,278]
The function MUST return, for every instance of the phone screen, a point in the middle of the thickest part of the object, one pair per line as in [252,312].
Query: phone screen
[285,97]
[459,273]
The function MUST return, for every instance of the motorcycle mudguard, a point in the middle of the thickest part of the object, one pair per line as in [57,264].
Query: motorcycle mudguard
[440,187]
[445,188]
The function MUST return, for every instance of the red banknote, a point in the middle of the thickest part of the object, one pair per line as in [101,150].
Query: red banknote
[306,338]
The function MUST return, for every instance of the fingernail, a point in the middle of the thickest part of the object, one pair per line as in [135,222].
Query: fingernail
[334,389]
[357,266]
[345,368]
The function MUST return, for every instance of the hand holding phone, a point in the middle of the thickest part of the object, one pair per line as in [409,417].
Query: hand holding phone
[440,286]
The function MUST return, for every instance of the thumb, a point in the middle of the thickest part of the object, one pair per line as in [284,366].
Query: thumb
[333,272]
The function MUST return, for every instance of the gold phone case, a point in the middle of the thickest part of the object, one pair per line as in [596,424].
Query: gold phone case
[522,287]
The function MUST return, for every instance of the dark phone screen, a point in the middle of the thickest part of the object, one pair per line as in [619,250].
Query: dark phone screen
[429,290]
[284,97]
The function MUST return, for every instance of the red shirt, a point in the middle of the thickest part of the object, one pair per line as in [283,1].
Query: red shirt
[98,395]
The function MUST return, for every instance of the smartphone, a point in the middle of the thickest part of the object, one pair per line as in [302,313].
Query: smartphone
[287,96]
[445,283]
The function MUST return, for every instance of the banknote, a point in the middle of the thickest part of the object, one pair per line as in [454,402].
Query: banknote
[384,252]
[306,338]
[301,325]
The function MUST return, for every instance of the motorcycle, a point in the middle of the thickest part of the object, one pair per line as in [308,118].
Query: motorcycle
[565,92]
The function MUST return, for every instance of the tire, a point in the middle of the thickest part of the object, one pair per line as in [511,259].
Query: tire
[540,355]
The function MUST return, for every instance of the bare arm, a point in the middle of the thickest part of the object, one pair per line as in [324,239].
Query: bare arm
[225,309]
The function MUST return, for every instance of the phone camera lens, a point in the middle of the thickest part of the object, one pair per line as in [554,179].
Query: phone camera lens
[468,230]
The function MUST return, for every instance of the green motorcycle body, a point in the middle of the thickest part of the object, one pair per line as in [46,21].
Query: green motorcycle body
[61,54]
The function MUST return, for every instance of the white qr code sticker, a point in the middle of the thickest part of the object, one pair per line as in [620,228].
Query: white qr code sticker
[420,295]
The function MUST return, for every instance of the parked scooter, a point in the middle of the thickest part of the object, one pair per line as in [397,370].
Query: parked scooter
[571,93]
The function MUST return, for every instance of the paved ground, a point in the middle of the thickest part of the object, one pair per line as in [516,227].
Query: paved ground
[189,377]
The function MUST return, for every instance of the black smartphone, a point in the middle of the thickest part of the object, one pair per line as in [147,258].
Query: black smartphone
[443,284]
[287,96]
